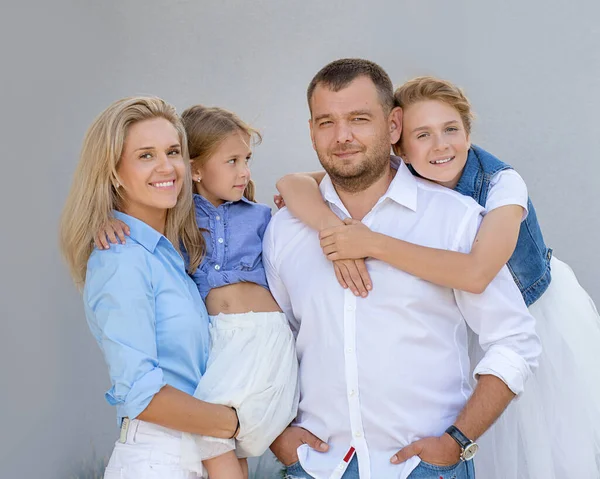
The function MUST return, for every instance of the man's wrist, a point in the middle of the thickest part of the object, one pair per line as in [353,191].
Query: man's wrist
[451,445]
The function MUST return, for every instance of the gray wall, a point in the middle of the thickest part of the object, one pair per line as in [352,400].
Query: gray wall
[532,70]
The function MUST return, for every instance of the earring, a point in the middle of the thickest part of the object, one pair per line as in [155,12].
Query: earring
[198,179]
[118,185]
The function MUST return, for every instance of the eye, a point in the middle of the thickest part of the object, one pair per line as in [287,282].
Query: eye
[146,156]
[325,123]
[174,152]
[422,135]
[231,161]
[451,129]
[359,119]
[248,159]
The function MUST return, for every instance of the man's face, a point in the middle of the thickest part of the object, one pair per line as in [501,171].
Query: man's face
[352,134]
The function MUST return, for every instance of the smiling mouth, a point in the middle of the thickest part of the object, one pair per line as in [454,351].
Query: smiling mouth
[442,161]
[164,185]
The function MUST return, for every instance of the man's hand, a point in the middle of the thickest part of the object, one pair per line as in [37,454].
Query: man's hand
[353,274]
[285,446]
[441,451]
[350,241]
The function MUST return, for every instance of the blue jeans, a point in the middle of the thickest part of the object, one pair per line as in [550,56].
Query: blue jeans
[295,471]
[462,470]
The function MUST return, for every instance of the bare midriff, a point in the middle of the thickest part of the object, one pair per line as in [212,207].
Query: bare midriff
[240,298]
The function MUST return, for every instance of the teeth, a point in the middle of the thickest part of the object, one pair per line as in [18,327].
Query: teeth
[164,184]
[439,162]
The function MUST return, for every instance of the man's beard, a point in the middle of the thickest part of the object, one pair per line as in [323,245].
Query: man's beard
[359,177]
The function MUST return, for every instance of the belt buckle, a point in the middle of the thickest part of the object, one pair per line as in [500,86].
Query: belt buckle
[124,429]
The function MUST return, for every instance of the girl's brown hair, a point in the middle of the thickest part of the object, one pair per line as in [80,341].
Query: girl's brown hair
[95,193]
[431,88]
[207,127]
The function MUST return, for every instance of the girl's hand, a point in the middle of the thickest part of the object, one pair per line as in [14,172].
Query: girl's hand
[353,274]
[112,230]
[346,242]
[278,200]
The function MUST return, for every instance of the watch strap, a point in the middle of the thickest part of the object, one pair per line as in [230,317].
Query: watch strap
[456,434]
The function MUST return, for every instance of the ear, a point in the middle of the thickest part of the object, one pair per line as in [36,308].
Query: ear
[312,135]
[395,123]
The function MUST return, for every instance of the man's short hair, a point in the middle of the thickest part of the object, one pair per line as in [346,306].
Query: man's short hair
[338,74]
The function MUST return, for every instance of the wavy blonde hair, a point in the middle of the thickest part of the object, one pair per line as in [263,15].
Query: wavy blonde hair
[207,127]
[95,193]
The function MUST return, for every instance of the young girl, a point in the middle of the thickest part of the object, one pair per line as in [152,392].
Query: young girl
[252,365]
[553,430]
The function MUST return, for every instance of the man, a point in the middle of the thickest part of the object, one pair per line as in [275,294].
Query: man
[384,379]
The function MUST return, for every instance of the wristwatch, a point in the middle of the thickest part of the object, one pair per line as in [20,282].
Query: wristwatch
[468,447]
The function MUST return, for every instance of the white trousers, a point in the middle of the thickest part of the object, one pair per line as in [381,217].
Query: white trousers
[149,451]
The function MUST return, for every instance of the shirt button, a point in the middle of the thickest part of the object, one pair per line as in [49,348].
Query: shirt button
[349,308]
[349,350]
[217,217]
[351,392]
[357,434]
[217,267]
[220,240]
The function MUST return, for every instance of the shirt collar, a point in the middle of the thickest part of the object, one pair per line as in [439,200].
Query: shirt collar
[201,201]
[402,189]
[141,232]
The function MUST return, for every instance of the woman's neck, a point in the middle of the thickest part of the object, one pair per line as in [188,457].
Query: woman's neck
[155,218]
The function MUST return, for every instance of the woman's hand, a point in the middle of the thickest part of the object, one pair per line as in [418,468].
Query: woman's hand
[112,230]
[353,274]
[350,241]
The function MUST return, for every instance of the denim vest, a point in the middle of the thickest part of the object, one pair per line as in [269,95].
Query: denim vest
[530,262]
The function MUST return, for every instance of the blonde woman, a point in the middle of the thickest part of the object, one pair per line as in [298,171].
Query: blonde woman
[142,307]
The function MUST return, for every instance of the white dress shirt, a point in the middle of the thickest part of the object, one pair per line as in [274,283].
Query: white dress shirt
[380,372]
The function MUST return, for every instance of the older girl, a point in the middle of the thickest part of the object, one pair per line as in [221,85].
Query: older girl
[553,430]
[141,306]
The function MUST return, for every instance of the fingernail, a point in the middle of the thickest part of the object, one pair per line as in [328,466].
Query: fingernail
[355,293]
[364,295]
[322,446]
[369,287]
[394,459]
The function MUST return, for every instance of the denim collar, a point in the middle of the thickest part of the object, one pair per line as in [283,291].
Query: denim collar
[201,202]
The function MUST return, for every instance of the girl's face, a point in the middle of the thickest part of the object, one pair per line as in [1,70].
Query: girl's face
[225,175]
[434,141]
[151,170]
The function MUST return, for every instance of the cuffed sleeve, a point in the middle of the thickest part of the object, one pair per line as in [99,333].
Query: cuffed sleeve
[120,308]
[500,318]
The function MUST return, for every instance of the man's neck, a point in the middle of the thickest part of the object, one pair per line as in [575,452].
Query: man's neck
[360,203]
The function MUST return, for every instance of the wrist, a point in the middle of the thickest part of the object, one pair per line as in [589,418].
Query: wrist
[330,221]
[375,246]
[451,445]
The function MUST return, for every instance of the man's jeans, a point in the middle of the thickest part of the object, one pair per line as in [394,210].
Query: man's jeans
[462,470]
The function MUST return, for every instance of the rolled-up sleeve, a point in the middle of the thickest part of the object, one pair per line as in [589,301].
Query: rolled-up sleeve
[120,309]
[500,318]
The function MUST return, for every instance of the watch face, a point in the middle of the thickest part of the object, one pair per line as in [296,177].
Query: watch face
[470,451]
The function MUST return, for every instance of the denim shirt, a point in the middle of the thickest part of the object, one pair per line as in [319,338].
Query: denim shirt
[530,262]
[233,233]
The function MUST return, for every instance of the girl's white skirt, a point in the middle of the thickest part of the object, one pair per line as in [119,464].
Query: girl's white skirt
[553,430]
[253,367]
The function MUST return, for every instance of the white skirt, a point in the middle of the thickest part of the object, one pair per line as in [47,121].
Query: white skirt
[253,367]
[553,430]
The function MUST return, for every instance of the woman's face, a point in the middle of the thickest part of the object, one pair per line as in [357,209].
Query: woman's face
[151,170]
[434,141]
[225,175]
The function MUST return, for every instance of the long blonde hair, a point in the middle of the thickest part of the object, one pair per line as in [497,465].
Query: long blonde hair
[207,127]
[95,193]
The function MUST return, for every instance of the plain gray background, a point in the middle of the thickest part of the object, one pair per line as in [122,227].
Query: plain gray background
[531,69]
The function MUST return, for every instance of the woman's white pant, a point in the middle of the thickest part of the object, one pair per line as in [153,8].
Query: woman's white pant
[147,451]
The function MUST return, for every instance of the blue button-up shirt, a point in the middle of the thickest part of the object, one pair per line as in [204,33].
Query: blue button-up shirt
[233,234]
[147,317]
